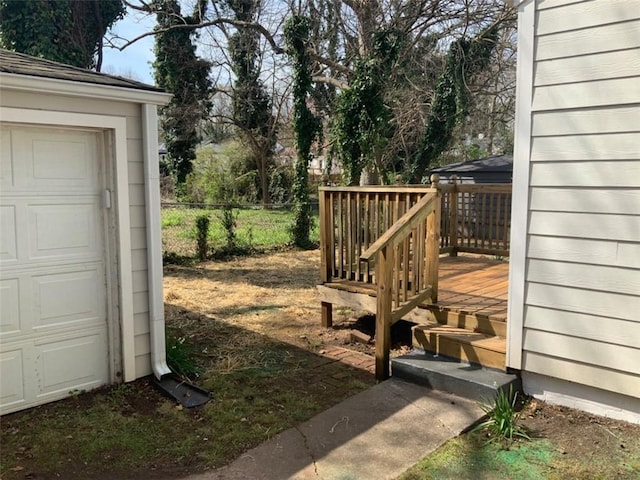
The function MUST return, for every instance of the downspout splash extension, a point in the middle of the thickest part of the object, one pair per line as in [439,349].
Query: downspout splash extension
[169,383]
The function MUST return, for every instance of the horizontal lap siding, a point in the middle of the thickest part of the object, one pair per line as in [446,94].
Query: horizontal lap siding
[582,288]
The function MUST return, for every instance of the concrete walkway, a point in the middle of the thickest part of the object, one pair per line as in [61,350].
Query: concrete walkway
[377,434]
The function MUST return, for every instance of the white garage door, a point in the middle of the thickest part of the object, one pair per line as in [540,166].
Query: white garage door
[53,296]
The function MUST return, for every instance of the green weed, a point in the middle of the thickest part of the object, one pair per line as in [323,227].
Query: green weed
[181,358]
[502,422]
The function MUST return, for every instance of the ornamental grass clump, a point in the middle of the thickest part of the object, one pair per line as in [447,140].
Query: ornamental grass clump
[502,421]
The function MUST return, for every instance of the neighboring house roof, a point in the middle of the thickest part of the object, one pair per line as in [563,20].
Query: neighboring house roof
[498,169]
[21,64]
[501,163]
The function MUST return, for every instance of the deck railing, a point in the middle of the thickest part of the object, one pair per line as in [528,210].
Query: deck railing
[386,237]
[353,218]
[476,218]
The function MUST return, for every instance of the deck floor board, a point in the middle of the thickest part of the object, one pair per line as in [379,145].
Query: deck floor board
[474,285]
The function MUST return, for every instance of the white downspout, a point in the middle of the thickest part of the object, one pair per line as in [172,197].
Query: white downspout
[154,240]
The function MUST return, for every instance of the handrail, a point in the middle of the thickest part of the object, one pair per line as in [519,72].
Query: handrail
[389,310]
[416,214]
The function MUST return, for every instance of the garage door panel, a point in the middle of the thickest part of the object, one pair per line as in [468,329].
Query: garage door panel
[8,234]
[53,285]
[64,229]
[54,160]
[70,297]
[6,160]
[12,372]
[58,369]
[9,306]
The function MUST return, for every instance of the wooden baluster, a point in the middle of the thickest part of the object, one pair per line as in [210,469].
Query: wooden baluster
[366,240]
[358,232]
[341,235]
[507,216]
[453,207]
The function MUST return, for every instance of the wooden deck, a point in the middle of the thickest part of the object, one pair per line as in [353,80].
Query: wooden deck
[382,250]
[474,285]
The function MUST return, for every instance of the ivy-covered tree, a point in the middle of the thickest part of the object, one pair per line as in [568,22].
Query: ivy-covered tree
[362,125]
[66,31]
[306,125]
[179,71]
[252,106]
[465,58]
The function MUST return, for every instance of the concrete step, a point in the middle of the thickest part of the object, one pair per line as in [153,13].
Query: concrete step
[473,347]
[452,376]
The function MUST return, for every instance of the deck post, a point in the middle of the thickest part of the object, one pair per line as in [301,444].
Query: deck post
[325,256]
[433,246]
[383,317]
[326,314]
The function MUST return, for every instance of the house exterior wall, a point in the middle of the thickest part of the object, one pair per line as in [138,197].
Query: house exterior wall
[575,298]
[136,179]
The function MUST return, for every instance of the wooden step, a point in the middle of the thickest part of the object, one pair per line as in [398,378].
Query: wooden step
[473,347]
[429,314]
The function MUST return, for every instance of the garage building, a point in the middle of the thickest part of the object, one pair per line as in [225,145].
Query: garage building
[80,246]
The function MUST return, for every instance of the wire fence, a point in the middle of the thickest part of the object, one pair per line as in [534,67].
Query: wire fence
[256,227]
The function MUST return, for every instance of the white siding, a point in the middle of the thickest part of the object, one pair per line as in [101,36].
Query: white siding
[582,284]
[134,133]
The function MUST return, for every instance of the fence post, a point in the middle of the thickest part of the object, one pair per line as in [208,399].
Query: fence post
[384,272]
[453,207]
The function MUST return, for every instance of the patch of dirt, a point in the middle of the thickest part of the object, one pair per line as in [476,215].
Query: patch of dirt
[584,440]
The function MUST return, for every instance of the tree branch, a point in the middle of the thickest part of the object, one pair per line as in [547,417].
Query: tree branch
[330,63]
[341,84]
[218,21]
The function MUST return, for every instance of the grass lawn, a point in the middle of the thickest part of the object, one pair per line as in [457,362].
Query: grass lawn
[260,388]
[256,229]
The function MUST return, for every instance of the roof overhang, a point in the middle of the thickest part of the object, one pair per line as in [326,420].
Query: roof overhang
[27,83]
[518,3]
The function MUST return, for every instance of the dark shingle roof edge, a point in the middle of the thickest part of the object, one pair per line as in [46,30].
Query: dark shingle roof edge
[498,163]
[22,64]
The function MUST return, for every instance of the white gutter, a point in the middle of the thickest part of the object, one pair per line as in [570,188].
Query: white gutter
[154,240]
[56,86]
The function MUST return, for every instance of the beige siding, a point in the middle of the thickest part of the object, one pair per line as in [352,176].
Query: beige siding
[587,121]
[582,300]
[619,36]
[583,250]
[579,325]
[585,276]
[613,146]
[623,228]
[586,200]
[618,91]
[609,174]
[582,281]
[624,383]
[578,15]
[585,68]
[134,134]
